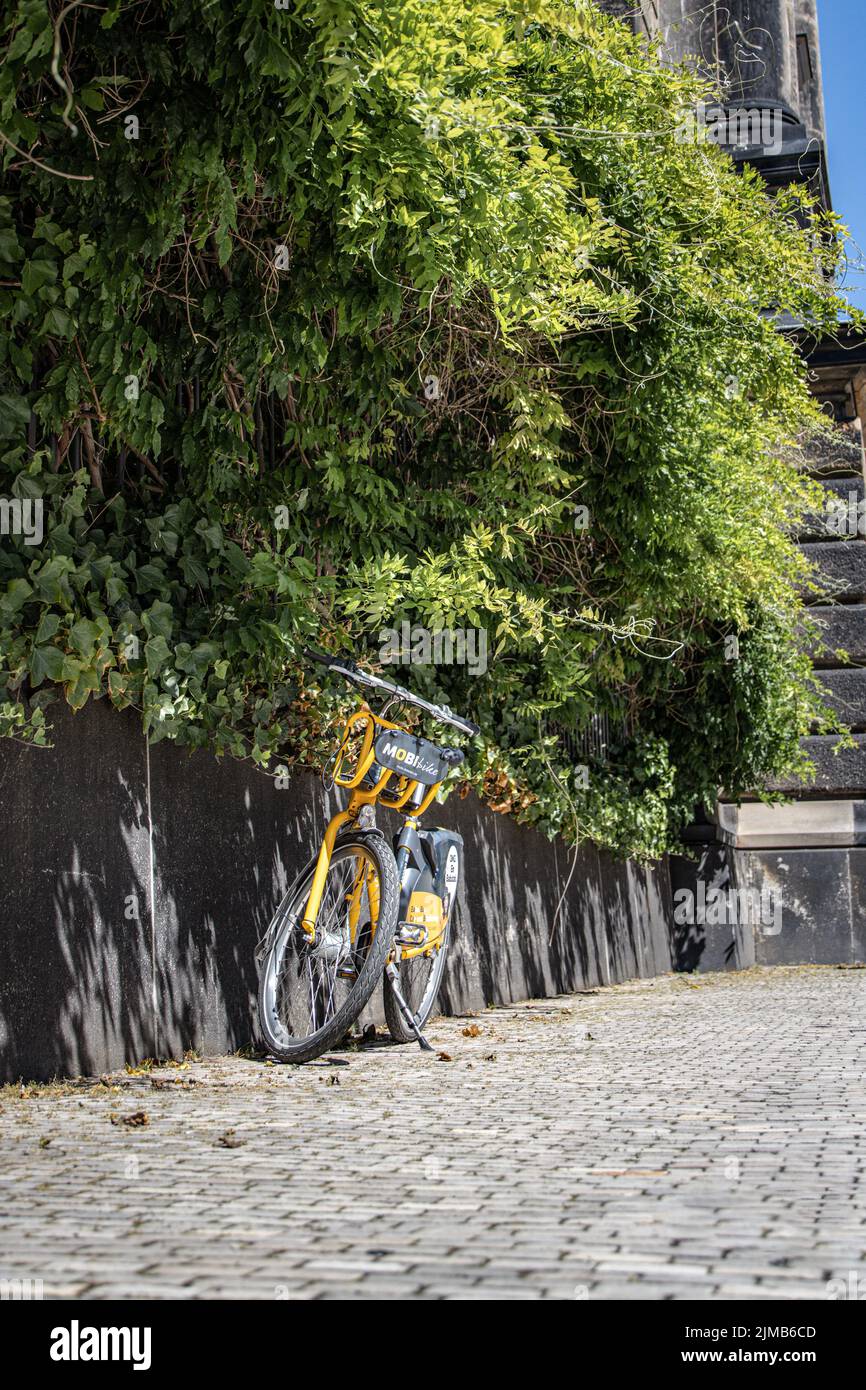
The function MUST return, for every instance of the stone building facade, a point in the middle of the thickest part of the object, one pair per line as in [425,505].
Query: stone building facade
[811,853]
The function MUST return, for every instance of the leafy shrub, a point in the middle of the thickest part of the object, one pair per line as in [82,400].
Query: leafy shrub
[237,242]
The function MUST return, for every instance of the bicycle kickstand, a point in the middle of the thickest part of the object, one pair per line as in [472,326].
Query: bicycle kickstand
[394,976]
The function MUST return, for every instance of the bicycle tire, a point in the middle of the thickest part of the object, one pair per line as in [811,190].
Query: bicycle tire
[284,922]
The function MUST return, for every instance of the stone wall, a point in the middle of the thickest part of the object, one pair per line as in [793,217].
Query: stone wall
[137,881]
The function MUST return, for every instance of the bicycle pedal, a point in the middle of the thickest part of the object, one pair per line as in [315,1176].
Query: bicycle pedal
[411,936]
[346,972]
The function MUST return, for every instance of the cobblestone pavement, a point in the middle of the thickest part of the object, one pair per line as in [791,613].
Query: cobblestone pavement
[684,1137]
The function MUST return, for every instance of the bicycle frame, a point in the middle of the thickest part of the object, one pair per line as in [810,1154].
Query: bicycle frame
[393,794]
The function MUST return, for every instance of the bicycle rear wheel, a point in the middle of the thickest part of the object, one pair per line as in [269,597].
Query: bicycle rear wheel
[309,995]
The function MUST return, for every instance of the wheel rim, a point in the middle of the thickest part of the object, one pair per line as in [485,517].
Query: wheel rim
[306,987]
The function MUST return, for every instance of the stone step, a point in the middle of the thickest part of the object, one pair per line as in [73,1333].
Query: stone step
[843,628]
[802,823]
[840,569]
[843,453]
[846,695]
[839,772]
[844,513]
[844,485]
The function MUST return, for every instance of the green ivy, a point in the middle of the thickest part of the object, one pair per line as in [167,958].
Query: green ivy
[456,262]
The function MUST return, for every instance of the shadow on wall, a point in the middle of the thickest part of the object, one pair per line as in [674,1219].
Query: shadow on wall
[700,944]
[139,881]
[227,843]
[119,944]
[76,991]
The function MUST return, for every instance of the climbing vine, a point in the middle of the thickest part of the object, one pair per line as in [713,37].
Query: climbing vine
[323,316]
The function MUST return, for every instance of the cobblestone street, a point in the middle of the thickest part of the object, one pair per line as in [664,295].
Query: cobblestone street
[684,1137]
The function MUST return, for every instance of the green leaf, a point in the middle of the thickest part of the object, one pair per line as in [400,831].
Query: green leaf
[36,274]
[46,661]
[49,625]
[57,323]
[158,618]
[14,416]
[84,636]
[157,655]
[84,684]
[18,592]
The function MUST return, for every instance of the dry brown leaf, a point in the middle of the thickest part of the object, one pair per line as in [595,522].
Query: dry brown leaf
[136,1120]
[229,1140]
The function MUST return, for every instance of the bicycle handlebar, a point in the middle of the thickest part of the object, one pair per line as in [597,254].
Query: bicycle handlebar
[346,667]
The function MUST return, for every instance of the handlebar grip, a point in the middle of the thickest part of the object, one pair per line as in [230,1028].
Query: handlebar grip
[327,658]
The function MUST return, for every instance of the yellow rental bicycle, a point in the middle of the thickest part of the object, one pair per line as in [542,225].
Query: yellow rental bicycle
[364,908]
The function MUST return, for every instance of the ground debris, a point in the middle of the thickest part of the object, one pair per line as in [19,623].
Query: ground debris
[136,1120]
[229,1140]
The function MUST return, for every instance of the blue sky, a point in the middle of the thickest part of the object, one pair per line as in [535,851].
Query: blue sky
[842,27]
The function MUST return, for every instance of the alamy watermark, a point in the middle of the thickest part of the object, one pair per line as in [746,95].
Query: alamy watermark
[734,127]
[729,907]
[77,1343]
[845,516]
[21,1290]
[851,1289]
[22,516]
[442,646]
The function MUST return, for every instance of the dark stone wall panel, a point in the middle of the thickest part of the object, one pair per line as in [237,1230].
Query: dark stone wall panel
[857,869]
[653,909]
[702,945]
[76,961]
[813,887]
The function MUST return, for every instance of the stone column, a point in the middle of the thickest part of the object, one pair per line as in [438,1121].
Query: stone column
[749,44]
[809,69]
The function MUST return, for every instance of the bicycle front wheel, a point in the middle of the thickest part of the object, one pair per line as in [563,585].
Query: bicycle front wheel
[311,994]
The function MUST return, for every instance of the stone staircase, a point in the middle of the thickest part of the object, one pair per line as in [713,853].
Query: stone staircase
[833,541]
[811,854]
[835,544]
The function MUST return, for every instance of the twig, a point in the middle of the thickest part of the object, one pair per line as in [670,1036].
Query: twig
[80,178]
[90,450]
[100,412]
[148,465]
